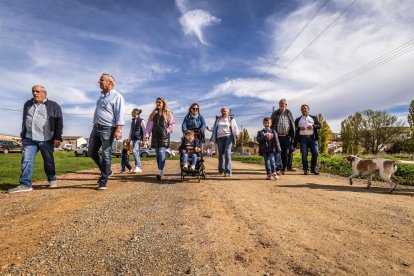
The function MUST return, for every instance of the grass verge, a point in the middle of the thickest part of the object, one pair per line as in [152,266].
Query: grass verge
[65,162]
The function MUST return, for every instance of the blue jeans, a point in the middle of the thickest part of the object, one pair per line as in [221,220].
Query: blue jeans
[193,158]
[270,164]
[125,162]
[224,149]
[308,143]
[102,136]
[135,152]
[161,153]
[30,149]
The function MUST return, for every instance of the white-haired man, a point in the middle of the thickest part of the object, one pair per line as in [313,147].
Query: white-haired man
[41,131]
[108,121]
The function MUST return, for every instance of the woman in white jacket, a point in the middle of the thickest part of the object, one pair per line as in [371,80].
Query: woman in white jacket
[225,132]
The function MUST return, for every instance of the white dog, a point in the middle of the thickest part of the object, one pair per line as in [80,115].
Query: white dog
[384,167]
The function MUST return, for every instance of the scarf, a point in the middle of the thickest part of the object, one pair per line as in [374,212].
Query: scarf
[193,119]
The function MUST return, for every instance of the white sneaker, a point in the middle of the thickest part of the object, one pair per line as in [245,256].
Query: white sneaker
[185,167]
[52,184]
[138,170]
[160,172]
[192,168]
[275,177]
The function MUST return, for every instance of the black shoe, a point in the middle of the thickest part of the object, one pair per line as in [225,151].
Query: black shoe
[305,173]
[102,186]
[315,172]
[159,177]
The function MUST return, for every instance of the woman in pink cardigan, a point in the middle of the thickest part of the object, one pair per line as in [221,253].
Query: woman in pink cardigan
[160,125]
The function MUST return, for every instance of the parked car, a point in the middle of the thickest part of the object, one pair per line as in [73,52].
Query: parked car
[67,147]
[10,146]
[82,150]
[145,152]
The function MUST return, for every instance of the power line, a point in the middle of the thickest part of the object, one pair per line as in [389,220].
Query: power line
[297,35]
[373,64]
[307,46]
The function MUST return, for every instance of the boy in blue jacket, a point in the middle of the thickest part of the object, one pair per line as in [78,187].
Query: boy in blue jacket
[269,146]
[190,146]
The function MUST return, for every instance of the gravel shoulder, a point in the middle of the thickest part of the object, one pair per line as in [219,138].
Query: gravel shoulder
[242,225]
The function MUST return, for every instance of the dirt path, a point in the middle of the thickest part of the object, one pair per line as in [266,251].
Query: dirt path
[243,225]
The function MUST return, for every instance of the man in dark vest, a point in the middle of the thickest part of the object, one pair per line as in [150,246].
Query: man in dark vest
[136,135]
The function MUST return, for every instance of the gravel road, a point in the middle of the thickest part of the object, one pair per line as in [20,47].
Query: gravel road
[242,225]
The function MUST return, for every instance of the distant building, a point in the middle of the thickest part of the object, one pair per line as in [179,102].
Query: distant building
[74,141]
[250,147]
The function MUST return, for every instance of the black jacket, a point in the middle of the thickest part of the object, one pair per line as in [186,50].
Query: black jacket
[160,136]
[54,116]
[316,128]
[264,145]
[275,120]
[137,133]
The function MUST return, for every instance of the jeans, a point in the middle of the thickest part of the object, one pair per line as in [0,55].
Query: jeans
[270,164]
[102,136]
[30,149]
[224,149]
[161,153]
[125,162]
[284,145]
[135,152]
[308,143]
[193,158]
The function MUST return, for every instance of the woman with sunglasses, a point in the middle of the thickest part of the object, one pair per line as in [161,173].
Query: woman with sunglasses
[194,120]
[160,125]
[225,132]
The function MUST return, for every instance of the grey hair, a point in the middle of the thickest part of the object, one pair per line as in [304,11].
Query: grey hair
[41,86]
[283,101]
[109,77]
[224,108]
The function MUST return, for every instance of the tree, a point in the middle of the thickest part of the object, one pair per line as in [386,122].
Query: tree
[372,130]
[350,134]
[325,134]
[243,137]
[411,118]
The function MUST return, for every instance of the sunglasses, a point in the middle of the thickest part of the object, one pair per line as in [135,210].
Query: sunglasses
[194,108]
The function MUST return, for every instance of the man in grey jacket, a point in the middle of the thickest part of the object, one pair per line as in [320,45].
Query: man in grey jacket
[41,131]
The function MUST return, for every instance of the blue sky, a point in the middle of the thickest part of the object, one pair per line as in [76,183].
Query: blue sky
[244,54]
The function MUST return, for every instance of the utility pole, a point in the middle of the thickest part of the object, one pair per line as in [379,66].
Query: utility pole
[241,139]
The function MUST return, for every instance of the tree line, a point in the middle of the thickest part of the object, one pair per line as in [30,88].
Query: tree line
[368,131]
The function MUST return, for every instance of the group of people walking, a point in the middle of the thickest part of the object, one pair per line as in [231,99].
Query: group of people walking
[42,129]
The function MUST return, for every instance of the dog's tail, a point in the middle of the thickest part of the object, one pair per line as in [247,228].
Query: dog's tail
[404,162]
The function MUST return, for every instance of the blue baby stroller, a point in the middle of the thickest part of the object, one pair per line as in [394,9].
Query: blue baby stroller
[199,170]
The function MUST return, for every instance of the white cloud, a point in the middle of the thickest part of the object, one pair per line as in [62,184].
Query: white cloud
[366,31]
[194,21]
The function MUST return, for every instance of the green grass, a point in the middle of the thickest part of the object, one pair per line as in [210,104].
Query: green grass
[65,162]
[337,165]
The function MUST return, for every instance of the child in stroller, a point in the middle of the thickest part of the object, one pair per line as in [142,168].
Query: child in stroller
[191,151]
